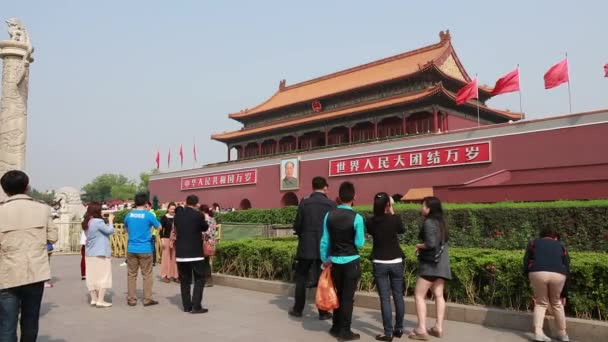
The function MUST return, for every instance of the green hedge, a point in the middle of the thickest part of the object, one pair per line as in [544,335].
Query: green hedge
[480,276]
[583,225]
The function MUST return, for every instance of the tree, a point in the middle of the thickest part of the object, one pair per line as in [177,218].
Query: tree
[144,180]
[155,205]
[123,192]
[46,197]
[100,189]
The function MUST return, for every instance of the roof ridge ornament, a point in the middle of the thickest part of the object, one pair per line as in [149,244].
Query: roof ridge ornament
[445,36]
[282,84]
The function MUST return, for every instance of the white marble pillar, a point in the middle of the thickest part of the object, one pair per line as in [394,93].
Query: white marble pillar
[16,55]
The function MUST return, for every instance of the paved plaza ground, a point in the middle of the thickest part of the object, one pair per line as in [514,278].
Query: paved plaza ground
[235,315]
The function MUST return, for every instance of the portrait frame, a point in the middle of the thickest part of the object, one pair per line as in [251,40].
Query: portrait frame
[284,183]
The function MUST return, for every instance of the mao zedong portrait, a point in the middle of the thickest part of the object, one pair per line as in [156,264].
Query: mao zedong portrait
[290,179]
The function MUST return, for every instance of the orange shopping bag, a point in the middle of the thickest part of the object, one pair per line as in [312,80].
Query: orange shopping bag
[326,297]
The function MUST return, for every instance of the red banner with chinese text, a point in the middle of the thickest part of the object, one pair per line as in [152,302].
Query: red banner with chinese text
[475,153]
[215,180]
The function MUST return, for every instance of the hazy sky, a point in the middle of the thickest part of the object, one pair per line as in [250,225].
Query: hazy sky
[114,81]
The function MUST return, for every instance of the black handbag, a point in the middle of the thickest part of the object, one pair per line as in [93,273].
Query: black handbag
[431,255]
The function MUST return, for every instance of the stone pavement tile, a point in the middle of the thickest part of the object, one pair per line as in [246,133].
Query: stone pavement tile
[235,315]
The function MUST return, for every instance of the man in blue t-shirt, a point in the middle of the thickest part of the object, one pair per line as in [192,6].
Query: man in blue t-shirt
[139,249]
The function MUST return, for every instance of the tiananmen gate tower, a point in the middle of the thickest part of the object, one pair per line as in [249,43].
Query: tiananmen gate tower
[393,125]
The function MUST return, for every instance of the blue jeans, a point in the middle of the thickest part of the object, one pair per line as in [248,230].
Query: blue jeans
[26,300]
[389,278]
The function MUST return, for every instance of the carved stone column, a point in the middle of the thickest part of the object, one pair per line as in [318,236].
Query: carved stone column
[16,57]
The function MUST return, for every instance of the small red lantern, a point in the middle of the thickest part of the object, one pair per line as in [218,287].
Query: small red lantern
[316,106]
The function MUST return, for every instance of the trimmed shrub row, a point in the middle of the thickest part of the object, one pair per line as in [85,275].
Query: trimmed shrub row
[480,276]
[583,225]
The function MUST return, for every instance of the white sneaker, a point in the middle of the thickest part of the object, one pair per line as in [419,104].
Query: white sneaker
[103,305]
[542,338]
[123,264]
[93,303]
[563,338]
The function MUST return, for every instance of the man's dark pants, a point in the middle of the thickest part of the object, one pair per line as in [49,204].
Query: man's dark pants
[303,268]
[26,300]
[346,279]
[153,241]
[186,270]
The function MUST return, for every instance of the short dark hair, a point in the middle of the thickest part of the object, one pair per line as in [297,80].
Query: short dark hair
[318,183]
[206,209]
[549,232]
[290,162]
[192,200]
[15,182]
[141,199]
[347,192]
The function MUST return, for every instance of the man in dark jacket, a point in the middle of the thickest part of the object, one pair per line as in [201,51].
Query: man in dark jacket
[189,227]
[308,227]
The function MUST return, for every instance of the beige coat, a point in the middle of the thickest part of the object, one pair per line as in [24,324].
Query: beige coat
[25,227]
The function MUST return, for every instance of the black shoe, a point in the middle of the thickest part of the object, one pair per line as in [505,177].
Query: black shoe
[199,311]
[294,313]
[351,336]
[187,309]
[325,316]
[397,333]
[383,337]
[132,303]
[150,303]
[334,332]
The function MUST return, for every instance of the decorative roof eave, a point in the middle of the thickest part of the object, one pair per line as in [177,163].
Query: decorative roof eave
[445,42]
[431,66]
[434,65]
[359,108]
[354,109]
[247,112]
[484,92]
[452,52]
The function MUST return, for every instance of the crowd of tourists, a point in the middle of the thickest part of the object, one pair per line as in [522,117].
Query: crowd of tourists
[183,231]
[27,230]
[330,236]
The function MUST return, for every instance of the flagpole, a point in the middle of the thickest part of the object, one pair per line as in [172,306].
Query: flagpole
[477,91]
[521,109]
[569,92]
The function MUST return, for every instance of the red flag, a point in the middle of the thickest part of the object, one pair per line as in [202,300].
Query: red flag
[506,84]
[194,152]
[557,74]
[169,159]
[606,70]
[157,159]
[467,92]
[181,154]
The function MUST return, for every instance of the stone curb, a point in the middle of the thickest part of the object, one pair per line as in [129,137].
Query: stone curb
[578,329]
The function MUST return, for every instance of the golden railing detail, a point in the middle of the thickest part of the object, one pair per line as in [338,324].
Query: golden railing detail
[118,242]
